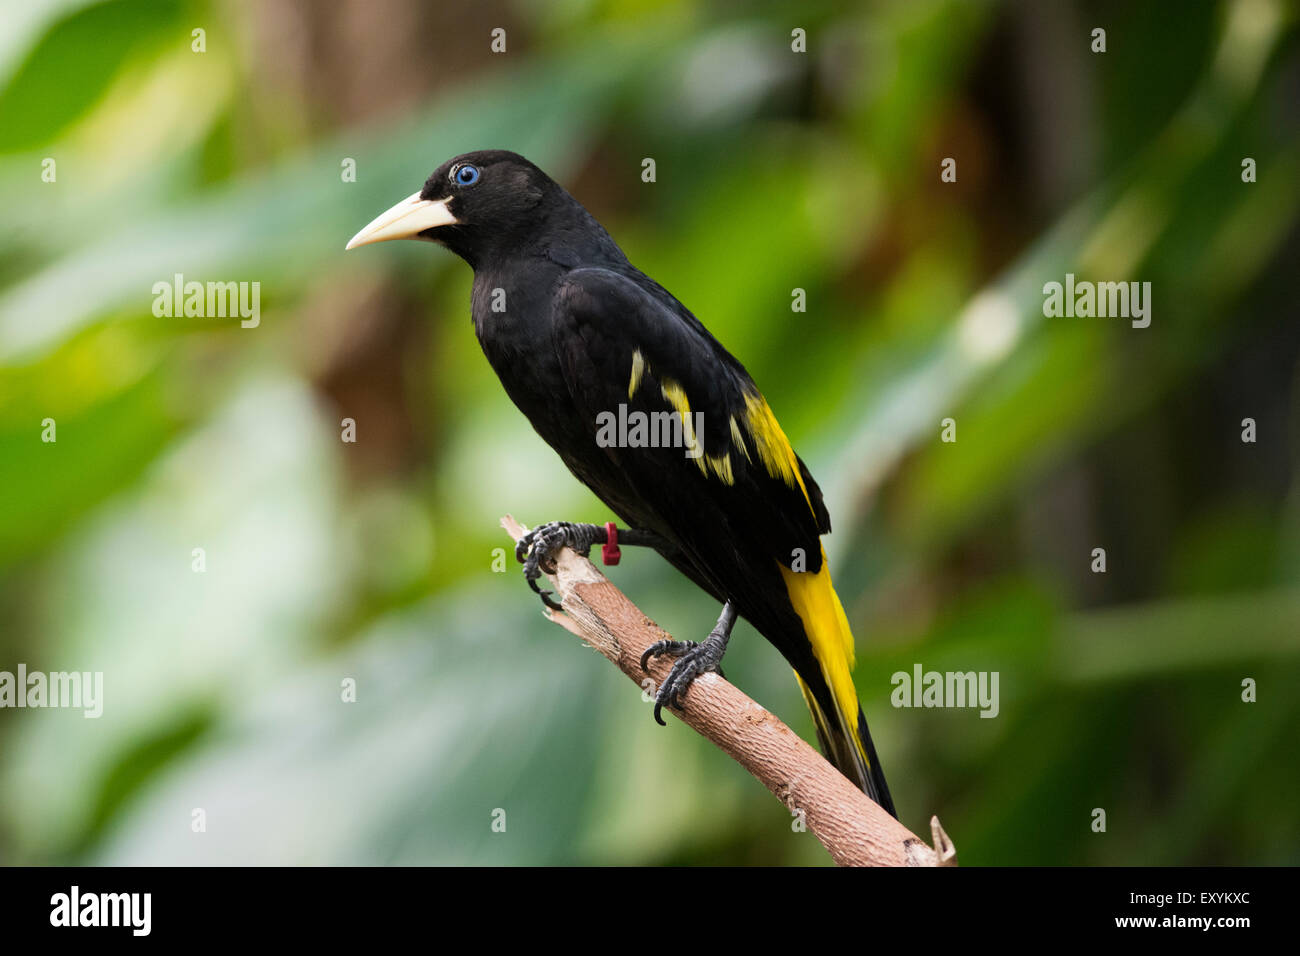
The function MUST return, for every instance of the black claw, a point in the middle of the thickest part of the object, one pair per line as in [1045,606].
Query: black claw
[679,687]
[537,548]
[654,650]
[692,660]
[545,595]
[670,648]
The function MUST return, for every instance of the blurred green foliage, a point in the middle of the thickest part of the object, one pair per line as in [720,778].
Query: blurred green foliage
[776,170]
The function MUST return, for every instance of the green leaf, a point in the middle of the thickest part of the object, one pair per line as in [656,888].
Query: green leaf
[92,45]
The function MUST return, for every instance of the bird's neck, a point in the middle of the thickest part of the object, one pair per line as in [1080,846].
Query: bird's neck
[510,298]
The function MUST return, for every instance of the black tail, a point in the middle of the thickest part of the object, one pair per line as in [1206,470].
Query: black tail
[850,748]
[877,789]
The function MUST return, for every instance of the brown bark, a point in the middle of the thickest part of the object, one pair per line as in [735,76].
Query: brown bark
[854,830]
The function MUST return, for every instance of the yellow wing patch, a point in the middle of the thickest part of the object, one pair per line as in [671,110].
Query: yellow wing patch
[769,440]
[773,447]
[738,438]
[721,465]
[675,395]
[638,369]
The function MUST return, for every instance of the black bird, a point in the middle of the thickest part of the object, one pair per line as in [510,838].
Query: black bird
[580,339]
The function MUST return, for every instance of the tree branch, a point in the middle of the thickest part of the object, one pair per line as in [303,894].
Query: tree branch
[854,830]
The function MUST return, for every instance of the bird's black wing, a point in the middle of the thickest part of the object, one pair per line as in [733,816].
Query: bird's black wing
[624,341]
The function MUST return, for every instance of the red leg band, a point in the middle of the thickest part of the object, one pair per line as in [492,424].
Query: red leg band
[609,553]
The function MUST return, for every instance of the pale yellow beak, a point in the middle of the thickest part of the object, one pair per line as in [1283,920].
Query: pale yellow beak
[406,220]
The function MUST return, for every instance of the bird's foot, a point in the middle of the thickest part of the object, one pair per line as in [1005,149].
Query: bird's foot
[537,549]
[693,659]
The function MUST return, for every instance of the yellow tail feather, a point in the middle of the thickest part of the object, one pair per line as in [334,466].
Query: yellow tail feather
[827,628]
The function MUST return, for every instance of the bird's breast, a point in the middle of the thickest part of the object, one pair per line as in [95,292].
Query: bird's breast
[512,319]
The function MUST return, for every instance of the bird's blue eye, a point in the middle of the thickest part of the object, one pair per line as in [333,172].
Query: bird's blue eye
[465,175]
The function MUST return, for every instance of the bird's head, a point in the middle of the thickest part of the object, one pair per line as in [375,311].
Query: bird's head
[473,204]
